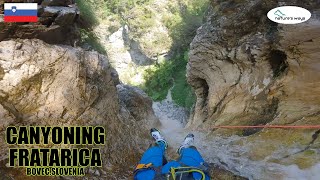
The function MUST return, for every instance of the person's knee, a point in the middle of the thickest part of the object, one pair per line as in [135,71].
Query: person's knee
[190,151]
[191,157]
[153,155]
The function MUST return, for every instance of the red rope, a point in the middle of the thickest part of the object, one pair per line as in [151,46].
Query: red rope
[270,126]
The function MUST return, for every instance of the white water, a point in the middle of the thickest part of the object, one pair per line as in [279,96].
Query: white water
[223,151]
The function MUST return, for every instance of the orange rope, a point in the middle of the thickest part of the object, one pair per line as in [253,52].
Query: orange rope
[270,126]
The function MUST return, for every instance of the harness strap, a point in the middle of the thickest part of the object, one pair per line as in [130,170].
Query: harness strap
[174,172]
[203,166]
[142,167]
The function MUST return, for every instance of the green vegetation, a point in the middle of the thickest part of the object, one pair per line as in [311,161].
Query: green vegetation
[140,20]
[182,92]
[135,13]
[120,10]
[90,38]
[121,7]
[158,80]
[88,20]
[88,15]
[182,21]
[162,77]
[181,18]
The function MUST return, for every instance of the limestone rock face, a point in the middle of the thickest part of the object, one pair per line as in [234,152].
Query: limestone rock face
[138,104]
[128,63]
[247,70]
[49,85]
[56,23]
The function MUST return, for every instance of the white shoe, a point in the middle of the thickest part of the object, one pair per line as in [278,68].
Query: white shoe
[155,133]
[188,142]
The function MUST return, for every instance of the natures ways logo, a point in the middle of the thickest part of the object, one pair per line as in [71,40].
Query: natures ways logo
[289,15]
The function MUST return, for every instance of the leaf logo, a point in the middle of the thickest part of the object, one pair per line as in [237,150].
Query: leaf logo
[279,13]
[289,15]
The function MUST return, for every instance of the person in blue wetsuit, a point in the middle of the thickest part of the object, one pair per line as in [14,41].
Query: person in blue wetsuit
[153,164]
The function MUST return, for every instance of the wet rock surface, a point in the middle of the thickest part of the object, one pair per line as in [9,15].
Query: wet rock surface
[247,70]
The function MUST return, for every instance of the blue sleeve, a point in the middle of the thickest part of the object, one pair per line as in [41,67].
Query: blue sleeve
[154,155]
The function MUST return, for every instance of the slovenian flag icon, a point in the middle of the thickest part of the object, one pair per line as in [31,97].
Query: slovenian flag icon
[20,12]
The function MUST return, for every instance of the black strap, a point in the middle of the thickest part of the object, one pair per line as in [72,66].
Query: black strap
[158,176]
[203,166]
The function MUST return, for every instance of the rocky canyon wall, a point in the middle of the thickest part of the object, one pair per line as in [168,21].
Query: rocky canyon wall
[50,85]
[247,70]
[42,84]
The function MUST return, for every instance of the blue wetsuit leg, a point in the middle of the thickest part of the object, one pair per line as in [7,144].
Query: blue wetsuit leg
[191,157]
[153,155]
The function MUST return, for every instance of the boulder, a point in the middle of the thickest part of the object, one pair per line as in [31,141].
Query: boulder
[138,103]
[66,16]
[50,11]
[52,34]
[50,85]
